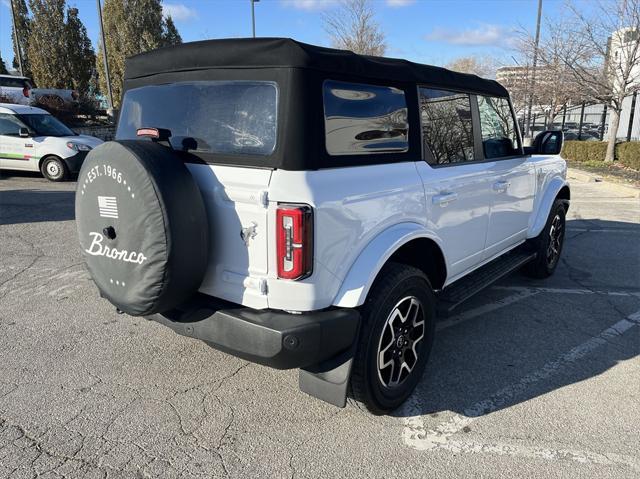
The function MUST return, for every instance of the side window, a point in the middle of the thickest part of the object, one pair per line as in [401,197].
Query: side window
[364,119]
[9,125]
[499,137]
[447,128]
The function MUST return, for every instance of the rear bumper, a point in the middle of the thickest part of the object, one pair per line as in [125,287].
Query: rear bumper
[74,163]
[273,338]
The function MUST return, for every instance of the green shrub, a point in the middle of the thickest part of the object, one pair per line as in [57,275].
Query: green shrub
[628,154]
[584,150]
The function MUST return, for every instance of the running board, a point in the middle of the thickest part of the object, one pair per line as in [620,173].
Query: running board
[457,293]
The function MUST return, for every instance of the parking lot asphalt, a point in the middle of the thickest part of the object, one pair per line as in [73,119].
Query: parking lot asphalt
[528,379]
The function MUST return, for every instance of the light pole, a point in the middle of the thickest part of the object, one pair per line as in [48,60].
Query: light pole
[533,72]
[15,38]
[253,17]
[106,63]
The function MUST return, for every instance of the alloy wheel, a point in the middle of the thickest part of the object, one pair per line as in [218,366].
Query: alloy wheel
[401,335]
[556,235]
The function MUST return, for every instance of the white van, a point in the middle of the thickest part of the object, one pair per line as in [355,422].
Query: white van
[33,140]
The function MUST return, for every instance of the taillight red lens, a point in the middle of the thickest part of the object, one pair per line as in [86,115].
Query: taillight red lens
[25,92]
[294,241]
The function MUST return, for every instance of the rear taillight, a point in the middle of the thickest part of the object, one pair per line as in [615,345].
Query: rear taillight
[294,241]
[25,92]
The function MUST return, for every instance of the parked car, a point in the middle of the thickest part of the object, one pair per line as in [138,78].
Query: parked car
[305,207]
[20,90]
[584,136]
[33,140]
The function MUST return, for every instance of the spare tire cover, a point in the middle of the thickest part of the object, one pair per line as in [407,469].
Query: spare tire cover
[142,226]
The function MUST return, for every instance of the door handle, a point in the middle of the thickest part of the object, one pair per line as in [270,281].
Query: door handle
[443,199]
[501,186]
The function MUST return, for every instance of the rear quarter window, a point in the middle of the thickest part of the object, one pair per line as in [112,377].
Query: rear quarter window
[362,119]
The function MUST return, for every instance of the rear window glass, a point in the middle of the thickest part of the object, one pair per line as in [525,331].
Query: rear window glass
[364,119]
[226,117]
[14,82]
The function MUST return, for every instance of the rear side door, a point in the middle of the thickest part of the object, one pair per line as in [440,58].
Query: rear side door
[457,185]
[512,175]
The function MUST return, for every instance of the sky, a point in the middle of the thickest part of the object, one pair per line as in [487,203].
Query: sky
[426,31]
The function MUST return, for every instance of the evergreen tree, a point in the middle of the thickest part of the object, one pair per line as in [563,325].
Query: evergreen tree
[60,49]
[23,24]
[3,67]
[130,27]
[81,58]
[47,47]
[171,35]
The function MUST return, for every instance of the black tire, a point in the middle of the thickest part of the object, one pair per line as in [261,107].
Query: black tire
[548,244]
[54,169]
[142,226]
[372,386]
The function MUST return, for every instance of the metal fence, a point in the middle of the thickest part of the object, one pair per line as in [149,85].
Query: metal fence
[590,122]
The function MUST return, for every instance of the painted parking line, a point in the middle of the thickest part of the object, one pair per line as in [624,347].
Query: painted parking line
[541,289]
[603,230]
[417,436]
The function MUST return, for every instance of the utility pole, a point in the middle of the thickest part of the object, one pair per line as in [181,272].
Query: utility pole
[15,38]
[533,73]
[253,17]
[106,63]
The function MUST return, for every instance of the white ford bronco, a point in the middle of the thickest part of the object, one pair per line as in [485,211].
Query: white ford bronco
[304,207]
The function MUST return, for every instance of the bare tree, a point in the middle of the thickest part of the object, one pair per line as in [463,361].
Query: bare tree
[478,65]
[352,26]
[605,59]
[555,86]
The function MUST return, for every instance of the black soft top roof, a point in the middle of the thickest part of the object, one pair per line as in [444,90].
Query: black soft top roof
[288,53]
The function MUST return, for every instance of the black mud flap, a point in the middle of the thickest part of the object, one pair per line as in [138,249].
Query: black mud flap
[329,379]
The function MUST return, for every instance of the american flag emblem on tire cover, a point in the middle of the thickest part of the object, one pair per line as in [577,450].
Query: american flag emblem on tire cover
[108,206]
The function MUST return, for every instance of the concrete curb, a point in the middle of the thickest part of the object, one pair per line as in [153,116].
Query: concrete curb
[586,177]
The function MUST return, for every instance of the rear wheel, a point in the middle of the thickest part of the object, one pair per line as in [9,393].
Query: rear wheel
[548,244]
[396,338]
[54,169]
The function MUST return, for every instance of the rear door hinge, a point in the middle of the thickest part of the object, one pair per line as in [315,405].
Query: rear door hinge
[264,198]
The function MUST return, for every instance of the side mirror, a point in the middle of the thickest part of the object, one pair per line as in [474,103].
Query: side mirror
[548,143]
[24,132]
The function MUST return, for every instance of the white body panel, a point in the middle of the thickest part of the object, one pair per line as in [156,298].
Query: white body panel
[512,196]
[235,198]
[362,215]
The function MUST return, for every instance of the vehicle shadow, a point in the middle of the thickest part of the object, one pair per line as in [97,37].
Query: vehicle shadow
[545,341]
[34,206]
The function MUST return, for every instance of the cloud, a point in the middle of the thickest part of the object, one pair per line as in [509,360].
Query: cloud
[483,35]
[178,11]
[309,4]
[399,3]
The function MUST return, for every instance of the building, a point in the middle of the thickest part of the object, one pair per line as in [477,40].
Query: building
[622,51]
